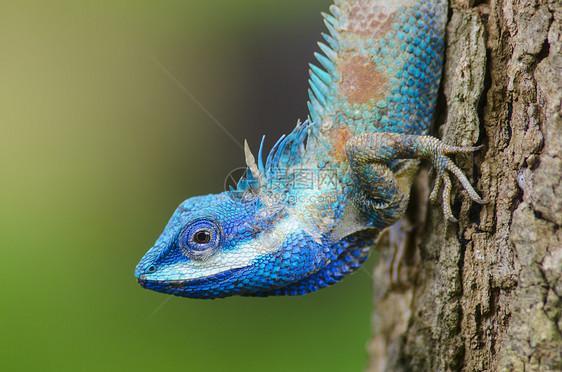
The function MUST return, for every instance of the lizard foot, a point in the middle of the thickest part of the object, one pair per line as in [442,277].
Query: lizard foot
[441,164]
[368,152]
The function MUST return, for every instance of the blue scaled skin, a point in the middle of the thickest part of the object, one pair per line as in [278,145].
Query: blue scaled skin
[308,215]
[210,233]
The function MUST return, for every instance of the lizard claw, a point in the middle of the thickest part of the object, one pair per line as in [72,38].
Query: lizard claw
[447,199]
[443,164]
[435,191]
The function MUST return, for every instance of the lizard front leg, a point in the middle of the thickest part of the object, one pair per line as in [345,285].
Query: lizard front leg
[382,190]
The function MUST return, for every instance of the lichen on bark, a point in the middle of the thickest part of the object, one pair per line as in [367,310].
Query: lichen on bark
[486,293]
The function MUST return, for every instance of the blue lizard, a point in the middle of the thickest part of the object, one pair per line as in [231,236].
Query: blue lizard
[307,217]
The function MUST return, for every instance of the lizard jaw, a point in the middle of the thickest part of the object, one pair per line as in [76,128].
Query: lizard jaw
[189,288]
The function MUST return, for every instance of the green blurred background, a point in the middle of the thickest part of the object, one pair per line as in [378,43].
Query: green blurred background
[97,148]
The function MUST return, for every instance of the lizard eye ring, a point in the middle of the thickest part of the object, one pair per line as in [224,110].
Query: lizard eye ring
[200,239]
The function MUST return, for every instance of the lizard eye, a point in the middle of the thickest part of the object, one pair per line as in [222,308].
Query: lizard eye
[202,236]
[199,239]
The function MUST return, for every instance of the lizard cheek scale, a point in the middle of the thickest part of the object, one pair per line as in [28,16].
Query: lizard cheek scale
[307,214]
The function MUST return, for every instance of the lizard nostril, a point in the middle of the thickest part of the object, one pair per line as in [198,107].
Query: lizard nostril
[151,269]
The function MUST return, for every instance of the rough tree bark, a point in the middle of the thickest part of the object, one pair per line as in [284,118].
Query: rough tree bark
[486,294]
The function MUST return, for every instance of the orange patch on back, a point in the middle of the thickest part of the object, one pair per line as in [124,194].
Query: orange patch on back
[382,24]
[361,81]
[366,21]
[339,137]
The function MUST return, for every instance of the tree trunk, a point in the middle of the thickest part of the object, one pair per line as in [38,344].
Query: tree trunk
[486,293]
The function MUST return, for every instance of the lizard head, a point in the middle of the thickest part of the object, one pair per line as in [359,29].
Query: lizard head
[221,245]
[262,238]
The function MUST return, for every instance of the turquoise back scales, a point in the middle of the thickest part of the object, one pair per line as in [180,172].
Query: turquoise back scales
[380,72]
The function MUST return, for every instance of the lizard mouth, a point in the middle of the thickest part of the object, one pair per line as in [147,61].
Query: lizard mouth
[199,288]
[172,283]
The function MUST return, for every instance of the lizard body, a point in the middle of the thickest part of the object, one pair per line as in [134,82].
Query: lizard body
[307,216]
